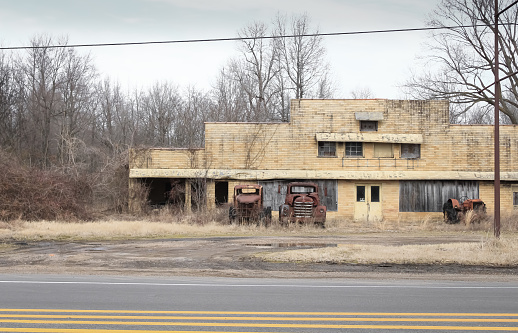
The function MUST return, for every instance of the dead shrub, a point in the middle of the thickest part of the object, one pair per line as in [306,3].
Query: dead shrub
[478,221]
[110,190]
[509,221]
[207,216]
[469,218]
[31,194]
[173,214]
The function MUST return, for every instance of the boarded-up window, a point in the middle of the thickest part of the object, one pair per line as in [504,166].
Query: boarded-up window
[515,200]
[383,150]
[429,196]
[326,148]
[368,126]
[409,150]
[327,189]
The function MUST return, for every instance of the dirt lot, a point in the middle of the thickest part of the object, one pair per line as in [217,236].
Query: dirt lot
[226,256]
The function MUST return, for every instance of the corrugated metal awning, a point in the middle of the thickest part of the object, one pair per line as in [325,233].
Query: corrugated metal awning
[370,137]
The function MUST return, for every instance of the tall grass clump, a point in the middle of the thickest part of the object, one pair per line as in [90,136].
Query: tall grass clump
[509,221]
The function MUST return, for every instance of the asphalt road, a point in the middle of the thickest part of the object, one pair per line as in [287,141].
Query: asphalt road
[64,303]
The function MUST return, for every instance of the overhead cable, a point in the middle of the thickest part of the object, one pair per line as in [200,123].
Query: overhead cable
[240,38]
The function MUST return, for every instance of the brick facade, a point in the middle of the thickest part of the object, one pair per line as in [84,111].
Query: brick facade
[251,152]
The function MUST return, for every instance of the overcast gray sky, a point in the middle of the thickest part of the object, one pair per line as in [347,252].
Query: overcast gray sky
[378,62]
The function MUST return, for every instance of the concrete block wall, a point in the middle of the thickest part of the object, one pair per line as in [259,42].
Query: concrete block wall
[293,146]
[346,194]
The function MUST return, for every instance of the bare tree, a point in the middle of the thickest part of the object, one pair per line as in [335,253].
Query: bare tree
[463,54]
[258,84]
[161,106]
[11,111]
[255,70]
[325,87]
[229,100]
[362,93]
[281,98]
[302,55]
[42,68]
[77,105]
[114,124]
[190,122]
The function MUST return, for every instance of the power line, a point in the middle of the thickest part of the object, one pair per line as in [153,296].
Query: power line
[239,38]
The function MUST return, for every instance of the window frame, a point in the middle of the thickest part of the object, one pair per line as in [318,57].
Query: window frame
[407,155]
[361,193]
[357,152]
[514,191]
[326,149]
[375,194]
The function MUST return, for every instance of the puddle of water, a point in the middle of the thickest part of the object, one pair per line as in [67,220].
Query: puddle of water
[291,245]
[96,249]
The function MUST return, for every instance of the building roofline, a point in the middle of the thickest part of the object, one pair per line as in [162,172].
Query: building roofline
[248,122]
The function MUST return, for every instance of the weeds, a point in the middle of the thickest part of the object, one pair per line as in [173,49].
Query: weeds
[493,252]
[32,194]
[509,221]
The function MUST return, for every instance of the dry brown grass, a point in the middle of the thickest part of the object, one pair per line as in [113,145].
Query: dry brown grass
[166,223]
[488,251]
[52,230]
[159,224]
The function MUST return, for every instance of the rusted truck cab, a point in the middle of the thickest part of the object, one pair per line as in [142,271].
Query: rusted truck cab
[302,205]
[247,205]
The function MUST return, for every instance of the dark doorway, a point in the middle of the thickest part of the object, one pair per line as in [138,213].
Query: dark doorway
[165,191]
[221,189]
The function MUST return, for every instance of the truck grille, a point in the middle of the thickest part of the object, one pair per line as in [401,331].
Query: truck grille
[303,209]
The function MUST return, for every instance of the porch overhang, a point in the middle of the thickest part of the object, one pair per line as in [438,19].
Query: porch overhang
[255,175]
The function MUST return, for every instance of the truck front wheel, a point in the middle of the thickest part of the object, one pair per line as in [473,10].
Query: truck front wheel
[231,214]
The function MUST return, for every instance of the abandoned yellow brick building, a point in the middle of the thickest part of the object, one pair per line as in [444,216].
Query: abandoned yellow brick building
[372,159]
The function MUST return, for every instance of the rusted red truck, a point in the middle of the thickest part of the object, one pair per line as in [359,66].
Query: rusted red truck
[247,206]
[302,205]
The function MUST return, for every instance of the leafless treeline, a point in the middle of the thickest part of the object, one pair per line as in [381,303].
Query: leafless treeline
[57,112]
[56,109]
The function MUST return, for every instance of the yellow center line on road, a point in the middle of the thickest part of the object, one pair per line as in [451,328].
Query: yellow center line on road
[192,324]
[377,327]
[81,330]
[434,319]
[273,313]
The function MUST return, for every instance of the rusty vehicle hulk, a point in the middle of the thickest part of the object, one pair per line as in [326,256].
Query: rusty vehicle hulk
[455,212]
[247,206]
[302,205]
